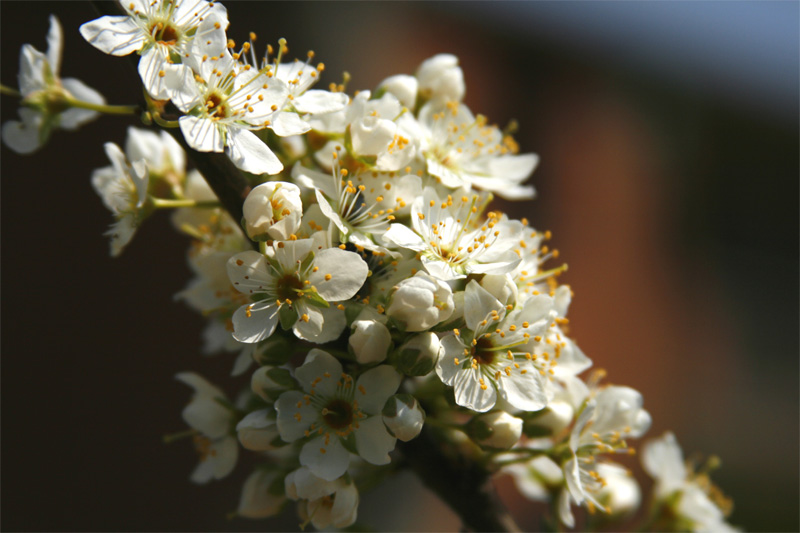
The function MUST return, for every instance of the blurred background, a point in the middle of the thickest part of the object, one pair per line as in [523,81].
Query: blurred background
[668,136]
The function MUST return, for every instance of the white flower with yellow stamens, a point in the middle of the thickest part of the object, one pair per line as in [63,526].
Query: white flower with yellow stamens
[123,188]
[337,414]
[224,102]
[452,242]
[696,502]
[215,441]
[611,416]
[273,210]
[496,357]
[321,502]
[164,32]
[463,151]
[48,98]
[297,286]
[360,219]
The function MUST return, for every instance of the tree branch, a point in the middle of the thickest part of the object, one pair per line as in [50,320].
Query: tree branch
[462,484]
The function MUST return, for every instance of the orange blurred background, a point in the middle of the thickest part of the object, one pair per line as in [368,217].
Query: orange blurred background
[668,136]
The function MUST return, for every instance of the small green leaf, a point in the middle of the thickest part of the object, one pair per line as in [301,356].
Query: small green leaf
[315,299]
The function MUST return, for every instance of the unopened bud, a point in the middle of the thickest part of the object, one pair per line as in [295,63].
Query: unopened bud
[258,431]
[501,286]
[419,355]
[370,341]
[273,210]
[420,302]
[497,430]
[270,382]
[403,416]
[403,87]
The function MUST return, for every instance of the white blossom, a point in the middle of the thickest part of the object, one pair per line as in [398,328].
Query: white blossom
[123,188]
[216,446]
[164,32]
[47,97]
[452,242]
[301,283]
[441,79]
[324,503]
[334,408]
[496,357]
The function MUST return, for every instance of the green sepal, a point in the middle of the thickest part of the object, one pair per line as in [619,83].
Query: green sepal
[287,316]
[282,377]
[349,443]
[533,430]
[275,351]
[278,442]
[306,263]
[313,298]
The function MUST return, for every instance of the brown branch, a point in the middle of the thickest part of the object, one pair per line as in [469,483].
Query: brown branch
[463,484]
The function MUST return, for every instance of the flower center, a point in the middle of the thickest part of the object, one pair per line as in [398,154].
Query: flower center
[216,105]
[484,353]
[339,414]
[164,34]
[288,287]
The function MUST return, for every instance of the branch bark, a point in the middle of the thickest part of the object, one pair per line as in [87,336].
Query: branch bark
[464,485]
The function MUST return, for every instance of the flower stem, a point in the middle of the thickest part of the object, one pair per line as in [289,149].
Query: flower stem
[161,203]
[102,108]
[9,91]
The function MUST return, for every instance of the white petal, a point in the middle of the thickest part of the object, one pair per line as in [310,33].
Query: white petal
[446,367]
[250,153]
[32,69]
[524,391]
[21,137]
[345,507]
[201,134]
[375,386]
[293,421]
[478,302]
[514,168]
[405,238]
[74,117]
[322,365]
[317,101]
[254,324]
[374,442]
[117,36]
[470,394]
[248,271]
[55,44]
[210,38]
[329,212]
[226,454]
[256,500]
[158,74]
[330,464]
[347,274]
[324,324]
[208,416]
[288,123]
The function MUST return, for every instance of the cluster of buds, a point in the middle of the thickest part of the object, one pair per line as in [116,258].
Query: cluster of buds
[368,288]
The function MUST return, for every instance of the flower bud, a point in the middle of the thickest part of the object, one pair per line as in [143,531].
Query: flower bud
[418,356]
[420,302]
[556,417]
[497,430]
[403,416]
[273,210]
[440,78]
[501,286]
[370,341]
[262,495]
[257,430]
[372,135]
[620,492]
[270,382]
[403,87]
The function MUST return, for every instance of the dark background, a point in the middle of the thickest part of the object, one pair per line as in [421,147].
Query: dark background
[668,134]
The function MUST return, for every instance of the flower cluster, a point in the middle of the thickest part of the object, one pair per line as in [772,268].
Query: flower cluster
[369,287]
